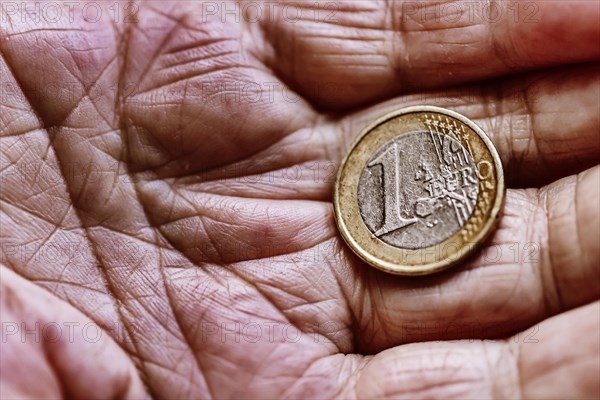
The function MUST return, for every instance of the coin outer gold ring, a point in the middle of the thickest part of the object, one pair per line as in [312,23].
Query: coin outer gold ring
[449,252]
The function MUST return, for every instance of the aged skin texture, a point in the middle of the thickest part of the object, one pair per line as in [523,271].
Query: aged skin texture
[167,178]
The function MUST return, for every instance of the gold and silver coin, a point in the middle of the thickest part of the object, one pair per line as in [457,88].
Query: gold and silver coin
[419,190]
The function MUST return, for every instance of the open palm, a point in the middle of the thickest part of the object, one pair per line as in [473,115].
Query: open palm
[167,172]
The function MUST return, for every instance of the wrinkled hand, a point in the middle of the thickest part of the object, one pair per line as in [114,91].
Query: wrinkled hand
[166,218]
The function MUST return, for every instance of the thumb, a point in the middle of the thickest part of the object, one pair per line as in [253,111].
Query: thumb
[50,350]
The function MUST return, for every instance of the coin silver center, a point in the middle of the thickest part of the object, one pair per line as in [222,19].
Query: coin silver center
[418,189]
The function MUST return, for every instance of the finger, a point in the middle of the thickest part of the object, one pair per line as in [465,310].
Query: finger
[544,126]
[50,350]
[559,358]
[542,259]
[348,53]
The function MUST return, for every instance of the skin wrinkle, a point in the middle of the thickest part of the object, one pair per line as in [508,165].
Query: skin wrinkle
[552,298]
[491,366]
[201,219]
[398,44]
[353,323]
[354,377]
[115,302]
[532,151]
[167,38]
[514,349]
[534,138]
[270,300]
[294,320]
[425,389]
[271,44]
[123,117]
[22,208]
[47,283]
[195,75]
[298,323]
[185,338]
[576,197]
[308,367]
[552,270]
[140,171]
[226,189]
[86,94]
[203,215]
[501,52]
[530,236]
[378,312]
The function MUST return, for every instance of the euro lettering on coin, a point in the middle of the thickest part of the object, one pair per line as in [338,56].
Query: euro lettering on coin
[419,191]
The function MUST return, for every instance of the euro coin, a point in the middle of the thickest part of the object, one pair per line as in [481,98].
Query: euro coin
[419,191]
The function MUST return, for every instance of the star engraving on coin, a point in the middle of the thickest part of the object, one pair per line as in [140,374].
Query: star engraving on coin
[419,191]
